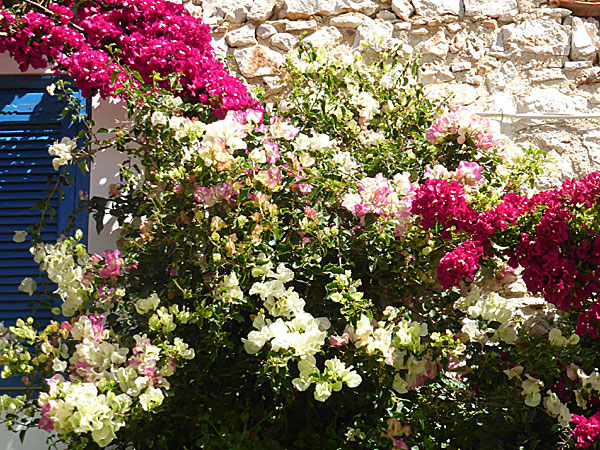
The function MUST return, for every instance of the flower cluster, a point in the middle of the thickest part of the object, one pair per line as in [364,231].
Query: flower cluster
[284,264]
[398,341]
[467,173]
[378,195]
[460,264]
[459,125]
[97,381]
[301,334]
[443,202]
[390,199]
[65,263]
[304,335]
[489,309]
[335,375]
[82,404]
[566,278]
[62,151]
[153,37]
[586,429]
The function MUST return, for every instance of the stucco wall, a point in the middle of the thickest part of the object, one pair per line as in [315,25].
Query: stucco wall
[510,56]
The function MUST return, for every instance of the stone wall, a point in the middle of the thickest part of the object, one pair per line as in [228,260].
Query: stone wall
[510,56]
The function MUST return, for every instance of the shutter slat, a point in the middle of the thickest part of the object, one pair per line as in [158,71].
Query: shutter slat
[23,186]
[31,272]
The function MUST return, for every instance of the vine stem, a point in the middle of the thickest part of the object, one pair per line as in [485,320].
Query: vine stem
[40,224]
[52,13]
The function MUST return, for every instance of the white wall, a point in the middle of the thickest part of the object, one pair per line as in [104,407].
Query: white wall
[104,172]
[34,440]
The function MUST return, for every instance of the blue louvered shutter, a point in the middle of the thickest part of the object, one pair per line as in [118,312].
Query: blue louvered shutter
[30,121]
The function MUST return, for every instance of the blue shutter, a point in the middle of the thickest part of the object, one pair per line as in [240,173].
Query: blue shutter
[30,121]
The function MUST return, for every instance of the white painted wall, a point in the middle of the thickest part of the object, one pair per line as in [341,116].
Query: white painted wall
[104,171]
[34,440]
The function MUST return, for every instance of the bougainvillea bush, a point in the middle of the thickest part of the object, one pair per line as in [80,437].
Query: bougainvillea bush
[337,271]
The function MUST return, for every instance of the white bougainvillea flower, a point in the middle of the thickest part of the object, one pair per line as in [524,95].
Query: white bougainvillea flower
[531,390]
[28,285]
[63,151]
[143,305]
[20,236]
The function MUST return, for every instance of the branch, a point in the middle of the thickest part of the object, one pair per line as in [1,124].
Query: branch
[51,13]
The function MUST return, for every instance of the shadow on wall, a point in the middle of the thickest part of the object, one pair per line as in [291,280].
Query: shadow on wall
[34,440]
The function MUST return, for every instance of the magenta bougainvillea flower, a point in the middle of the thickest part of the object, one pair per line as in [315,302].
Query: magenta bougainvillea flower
[145,36]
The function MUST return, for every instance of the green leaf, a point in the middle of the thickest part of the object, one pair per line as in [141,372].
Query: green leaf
[334,269]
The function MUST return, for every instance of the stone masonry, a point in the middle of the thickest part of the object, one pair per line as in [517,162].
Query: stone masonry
[508,56]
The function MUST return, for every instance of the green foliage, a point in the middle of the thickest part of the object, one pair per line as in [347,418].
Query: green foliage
[314,324]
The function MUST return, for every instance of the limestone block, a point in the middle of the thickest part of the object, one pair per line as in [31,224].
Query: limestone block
[219,45]
[194,10]
[325,37]
[274,83]
[460,66]
[499,79]
[550,101]
[261,11]
[472,79]
[463,94]
[233,10]
[591,141]
[584,40]
[435,72]
[242,37]
[454,27]
[265,31]
[561,141]
[301,25]
[577,65]
[539,36]
[436,45]
[367,7]
[348,20]
[307,9]
[490,8]
[547,74]
[386,15]
[460,94]
[402,26]
[402,8]
[258,61]
[420,31]
[372,31]
[284,41]
[580,161]
[436,7]
[501,102]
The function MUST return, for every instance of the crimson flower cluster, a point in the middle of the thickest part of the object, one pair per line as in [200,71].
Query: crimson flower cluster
[586,430]
[146,36]
[459,264]
[560,256]
[443,202]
